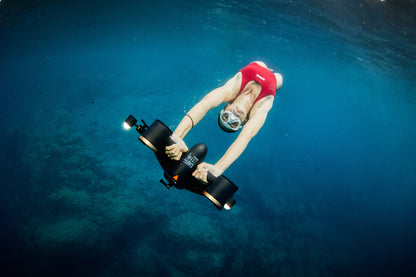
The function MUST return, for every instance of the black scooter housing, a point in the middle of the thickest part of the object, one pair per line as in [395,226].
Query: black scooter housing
[157,136]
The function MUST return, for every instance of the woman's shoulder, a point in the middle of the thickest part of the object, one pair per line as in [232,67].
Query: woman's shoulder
[279,80]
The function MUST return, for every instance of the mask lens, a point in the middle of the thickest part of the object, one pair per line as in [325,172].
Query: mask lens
[234,125]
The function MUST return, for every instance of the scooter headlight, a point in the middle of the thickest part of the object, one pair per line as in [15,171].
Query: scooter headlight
[230,203]
[129,122]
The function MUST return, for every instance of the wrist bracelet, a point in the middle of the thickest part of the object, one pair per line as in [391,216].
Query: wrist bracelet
[191,120]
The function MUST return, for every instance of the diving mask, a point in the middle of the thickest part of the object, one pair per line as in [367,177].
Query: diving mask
[229,122]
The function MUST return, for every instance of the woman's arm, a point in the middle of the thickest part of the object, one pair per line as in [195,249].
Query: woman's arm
[257,118]
[219,95]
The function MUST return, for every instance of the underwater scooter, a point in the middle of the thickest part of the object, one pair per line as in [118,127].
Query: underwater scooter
[157,136]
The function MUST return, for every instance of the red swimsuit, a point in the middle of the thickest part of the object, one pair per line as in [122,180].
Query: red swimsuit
[267,80]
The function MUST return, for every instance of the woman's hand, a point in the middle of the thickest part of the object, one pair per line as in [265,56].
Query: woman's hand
[202,169]
[175,151]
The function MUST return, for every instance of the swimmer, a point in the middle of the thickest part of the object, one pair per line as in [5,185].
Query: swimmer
[249,96]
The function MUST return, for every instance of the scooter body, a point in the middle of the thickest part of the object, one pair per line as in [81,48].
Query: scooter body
[178,174]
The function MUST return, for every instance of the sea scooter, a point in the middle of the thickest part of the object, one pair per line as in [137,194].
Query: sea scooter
[157,136]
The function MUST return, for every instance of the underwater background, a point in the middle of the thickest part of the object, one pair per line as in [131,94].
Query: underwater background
[326,188]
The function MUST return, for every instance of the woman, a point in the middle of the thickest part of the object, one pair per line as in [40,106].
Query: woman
[249,96]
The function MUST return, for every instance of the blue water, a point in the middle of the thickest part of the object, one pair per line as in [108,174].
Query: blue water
[327,187]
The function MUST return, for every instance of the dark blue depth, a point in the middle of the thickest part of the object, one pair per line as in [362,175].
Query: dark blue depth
[327,187]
